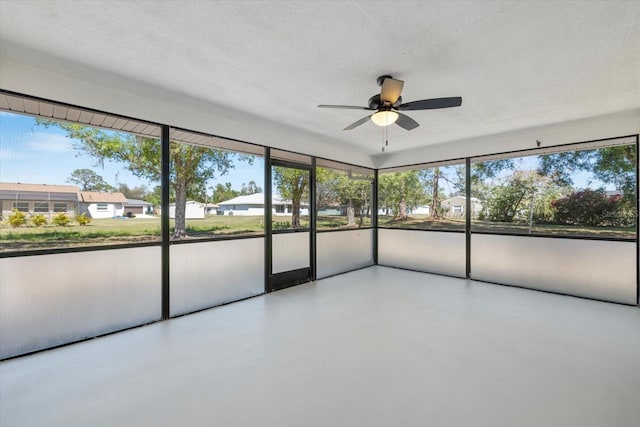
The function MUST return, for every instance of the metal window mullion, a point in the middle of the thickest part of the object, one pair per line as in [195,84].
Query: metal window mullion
[467,185]
[637,225]
[164,219]
[374,216]
[312,219]
[268,218]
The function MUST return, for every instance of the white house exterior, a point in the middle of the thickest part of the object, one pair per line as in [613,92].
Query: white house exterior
[211,208]
[102,205]
[250,205]
[193,210]
[253,204]
[422,210]
[455,206]
[137,207]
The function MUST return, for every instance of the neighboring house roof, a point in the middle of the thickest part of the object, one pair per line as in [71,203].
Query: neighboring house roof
[136,202]
[100,197]
[17,186]
[253,199]
[19,191]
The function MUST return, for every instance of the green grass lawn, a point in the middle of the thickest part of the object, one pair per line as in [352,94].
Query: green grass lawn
[133,230]
[423,222]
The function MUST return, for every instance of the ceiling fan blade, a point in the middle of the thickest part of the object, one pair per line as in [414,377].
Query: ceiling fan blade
[391,89]
[406,122]
[358,123]
[345,107]
[431,104]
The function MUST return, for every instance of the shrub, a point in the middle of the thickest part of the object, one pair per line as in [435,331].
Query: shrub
[61,219]
[83,219]
[17,218]
[589,208]
[39,220]
[284,225]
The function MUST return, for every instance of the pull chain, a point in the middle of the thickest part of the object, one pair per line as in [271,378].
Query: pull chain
[385,137]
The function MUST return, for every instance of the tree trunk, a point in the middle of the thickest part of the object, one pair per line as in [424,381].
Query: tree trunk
[435,202]
[531,206]
[295,214]
[180,230]
[350,214]
[402,209]
[511,213]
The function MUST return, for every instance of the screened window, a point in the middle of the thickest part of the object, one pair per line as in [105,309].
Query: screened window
[588,191]
[343,195]
[216,187]
[86,163]
[290,201]
[40,207]
[429,197]
[60,207]
[21,206]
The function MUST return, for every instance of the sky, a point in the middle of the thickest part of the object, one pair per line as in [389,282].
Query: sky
[37,155]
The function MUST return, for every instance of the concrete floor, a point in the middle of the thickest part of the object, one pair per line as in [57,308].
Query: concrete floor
[375,347]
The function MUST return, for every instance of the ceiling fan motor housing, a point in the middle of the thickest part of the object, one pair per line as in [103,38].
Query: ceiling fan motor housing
[374,102]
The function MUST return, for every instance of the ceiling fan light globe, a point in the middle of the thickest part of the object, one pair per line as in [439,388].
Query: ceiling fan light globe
[384,118]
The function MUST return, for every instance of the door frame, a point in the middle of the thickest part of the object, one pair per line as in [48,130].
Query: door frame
[274,282]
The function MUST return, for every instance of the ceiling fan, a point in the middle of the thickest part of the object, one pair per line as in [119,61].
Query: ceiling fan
[388,104]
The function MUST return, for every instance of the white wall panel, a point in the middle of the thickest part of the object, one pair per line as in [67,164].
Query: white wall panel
[603,270]
[430,251]
[290,251]
[340,251]
[207,274]
[49,300]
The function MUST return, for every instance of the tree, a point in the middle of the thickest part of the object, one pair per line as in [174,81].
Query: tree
[354,191]
[137,192]
[292,184]
[88,180]
[251,188]
[489,169]
[155,196]
[431,178]
[506,198]
[325,188]
[400,191]
[482,175]
[224,192]
[190,166]
[614,165]
[523,195]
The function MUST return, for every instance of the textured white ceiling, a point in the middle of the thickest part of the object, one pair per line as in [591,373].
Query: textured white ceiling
[515,64]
